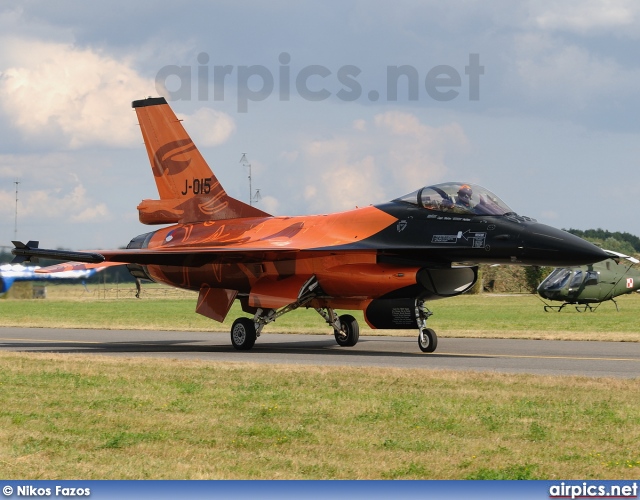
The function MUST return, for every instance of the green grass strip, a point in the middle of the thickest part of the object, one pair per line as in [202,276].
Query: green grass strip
[74,416]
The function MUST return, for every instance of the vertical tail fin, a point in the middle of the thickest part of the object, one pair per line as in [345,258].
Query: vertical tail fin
[188,189]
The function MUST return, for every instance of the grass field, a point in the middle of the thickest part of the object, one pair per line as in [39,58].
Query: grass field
[486,315]
[81,417]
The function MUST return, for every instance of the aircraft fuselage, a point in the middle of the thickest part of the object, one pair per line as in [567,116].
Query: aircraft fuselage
[359,254]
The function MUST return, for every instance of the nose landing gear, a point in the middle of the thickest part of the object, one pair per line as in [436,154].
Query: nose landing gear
[427,338]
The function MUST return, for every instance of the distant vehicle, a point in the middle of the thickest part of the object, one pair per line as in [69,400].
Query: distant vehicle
[386,260]
[591,284]
[10,273]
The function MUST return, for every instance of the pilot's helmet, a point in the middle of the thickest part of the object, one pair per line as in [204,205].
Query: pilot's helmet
[465,192]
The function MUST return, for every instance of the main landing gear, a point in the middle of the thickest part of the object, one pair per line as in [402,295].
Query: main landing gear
[243,334]
[245,331]
[346,330]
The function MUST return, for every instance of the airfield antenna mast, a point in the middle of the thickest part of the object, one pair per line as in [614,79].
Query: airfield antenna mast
[257,196]
[15,225]
[252,197]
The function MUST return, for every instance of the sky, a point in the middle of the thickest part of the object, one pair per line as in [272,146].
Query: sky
[335,104]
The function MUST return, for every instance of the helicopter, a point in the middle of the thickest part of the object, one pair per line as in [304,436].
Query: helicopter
[591,284]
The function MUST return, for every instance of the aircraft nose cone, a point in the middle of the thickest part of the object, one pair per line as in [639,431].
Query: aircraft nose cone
[544,293]
[547,246]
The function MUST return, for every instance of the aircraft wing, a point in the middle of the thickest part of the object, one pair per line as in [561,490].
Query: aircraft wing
[185,256]
[195,257]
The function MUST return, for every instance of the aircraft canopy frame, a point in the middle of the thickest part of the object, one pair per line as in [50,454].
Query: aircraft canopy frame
[450,198]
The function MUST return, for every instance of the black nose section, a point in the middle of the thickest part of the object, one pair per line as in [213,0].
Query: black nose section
[547,246]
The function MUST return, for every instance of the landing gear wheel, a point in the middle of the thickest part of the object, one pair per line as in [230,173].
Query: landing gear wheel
[349,332]
[427,340]
[243,334]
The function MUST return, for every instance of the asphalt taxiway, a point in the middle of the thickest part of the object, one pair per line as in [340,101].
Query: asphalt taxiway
[547,357]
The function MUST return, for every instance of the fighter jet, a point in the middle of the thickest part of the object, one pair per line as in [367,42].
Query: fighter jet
[591,284]
[386,260]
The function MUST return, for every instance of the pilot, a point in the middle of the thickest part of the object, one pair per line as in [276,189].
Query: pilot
[464,196]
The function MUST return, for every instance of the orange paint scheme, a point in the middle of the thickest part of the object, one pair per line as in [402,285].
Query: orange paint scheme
[267,259]
[224,248]
[294,238]
[275,233]
[386,260]
[188,189]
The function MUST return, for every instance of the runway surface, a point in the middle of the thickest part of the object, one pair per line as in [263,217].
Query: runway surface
[592,359]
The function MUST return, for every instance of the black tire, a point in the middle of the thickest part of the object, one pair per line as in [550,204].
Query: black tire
[350,332]
[430,340]
[243,334]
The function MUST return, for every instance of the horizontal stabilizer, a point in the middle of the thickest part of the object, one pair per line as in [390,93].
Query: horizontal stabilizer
[76,266]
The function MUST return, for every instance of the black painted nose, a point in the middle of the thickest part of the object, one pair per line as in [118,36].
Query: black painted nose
[547,246]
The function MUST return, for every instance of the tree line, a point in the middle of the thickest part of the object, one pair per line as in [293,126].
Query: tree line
[619,242]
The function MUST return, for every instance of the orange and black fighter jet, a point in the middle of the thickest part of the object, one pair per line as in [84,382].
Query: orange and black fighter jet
[386,260]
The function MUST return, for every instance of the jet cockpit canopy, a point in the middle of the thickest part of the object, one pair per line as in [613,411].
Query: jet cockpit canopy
[458,198]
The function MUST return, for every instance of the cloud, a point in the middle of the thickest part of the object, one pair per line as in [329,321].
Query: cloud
[417,151]
[69,96]
[550,69]
[208,127]
[72,203]
[383,158]
[289,156]
[269,204]
[586,16]
[48,189]
[90,214]
[343,179]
